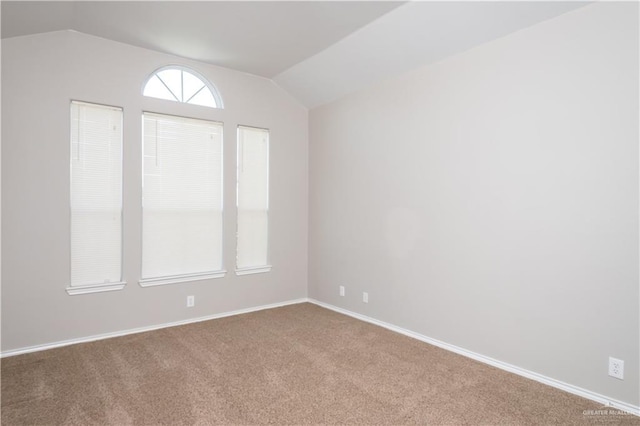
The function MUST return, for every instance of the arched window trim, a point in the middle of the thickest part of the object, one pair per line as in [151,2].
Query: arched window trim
[214,91]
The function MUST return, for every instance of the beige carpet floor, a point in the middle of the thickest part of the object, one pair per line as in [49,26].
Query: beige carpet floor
[299,364]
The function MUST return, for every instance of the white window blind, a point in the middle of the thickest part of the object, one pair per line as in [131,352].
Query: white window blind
[182,199]
[96,196]
[253,199]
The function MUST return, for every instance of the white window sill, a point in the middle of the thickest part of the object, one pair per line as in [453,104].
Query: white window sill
[94,288]
[253,270]
[152,282]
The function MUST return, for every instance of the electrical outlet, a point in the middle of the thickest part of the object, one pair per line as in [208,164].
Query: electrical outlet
[341,290]
[365,297]
[191,301]
[616,368]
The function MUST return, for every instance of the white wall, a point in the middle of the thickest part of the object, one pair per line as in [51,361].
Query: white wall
[491,200]
[40,75]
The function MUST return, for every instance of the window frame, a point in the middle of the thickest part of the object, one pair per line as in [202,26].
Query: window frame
[74,290]
[187,277]
[212,88]
[256,269]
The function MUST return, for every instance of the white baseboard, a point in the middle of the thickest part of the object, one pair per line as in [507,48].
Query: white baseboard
[604,400]
[37,348]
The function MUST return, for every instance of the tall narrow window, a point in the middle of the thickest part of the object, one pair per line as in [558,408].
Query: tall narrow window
[252,200]
[96,198]
[182,200]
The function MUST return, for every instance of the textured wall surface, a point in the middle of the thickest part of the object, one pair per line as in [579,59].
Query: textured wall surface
[490,201]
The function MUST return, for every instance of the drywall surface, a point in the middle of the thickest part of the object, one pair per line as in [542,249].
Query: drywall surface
[490,201]
[415,34]
[40,76]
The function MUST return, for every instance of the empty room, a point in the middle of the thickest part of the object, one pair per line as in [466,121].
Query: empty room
[320,212]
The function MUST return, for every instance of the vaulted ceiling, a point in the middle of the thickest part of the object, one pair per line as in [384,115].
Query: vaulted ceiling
[316,50]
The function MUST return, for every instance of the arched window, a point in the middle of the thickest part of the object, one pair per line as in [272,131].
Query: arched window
[181,84]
